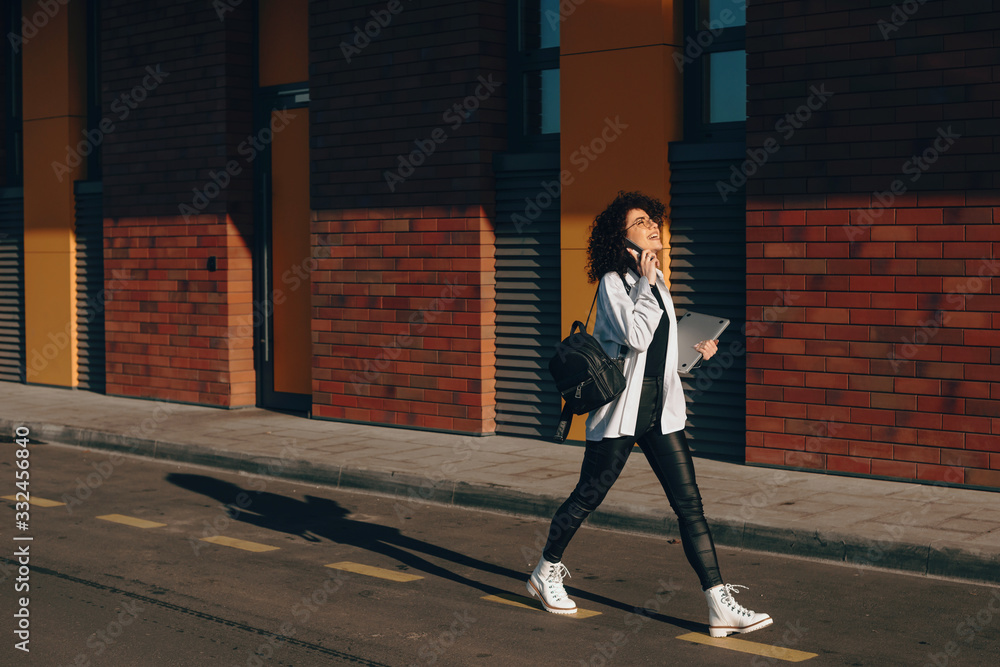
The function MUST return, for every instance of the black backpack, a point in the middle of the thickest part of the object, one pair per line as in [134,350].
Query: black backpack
[585,375]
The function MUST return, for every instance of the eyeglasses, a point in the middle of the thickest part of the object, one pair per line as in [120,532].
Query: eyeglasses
[645,222]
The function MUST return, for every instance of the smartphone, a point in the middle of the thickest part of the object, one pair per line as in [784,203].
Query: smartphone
[634,246]
[639,250]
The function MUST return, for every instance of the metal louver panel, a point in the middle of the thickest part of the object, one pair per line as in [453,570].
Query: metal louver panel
[527,293]
[12,285]
[90,284]
[708,275]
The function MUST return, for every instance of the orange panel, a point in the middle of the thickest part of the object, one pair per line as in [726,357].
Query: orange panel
[283,41]
[49,213]
[598,25]
[291,253]
[54,57]
[54,80]
[50,318]
[616,140]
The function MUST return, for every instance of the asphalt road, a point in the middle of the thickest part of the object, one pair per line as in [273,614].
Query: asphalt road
[105,588]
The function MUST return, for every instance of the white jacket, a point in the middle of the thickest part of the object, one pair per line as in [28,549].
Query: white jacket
[631,318]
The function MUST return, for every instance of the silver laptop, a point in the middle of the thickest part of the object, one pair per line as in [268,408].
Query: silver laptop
[693,328]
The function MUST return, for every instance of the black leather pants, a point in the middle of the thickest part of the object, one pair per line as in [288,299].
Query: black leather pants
[670,459]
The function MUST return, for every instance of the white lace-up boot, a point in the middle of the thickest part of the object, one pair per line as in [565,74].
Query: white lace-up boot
[726,615]
[546,584]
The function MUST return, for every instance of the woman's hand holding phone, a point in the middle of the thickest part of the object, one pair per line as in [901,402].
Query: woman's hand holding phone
[645,259]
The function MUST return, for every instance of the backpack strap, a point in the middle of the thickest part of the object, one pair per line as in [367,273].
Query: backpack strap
[565,421]
[628,290]
[592,303]
[635,276]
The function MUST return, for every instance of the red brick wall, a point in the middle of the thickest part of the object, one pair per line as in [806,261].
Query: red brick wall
[872,239]
[403,323]
[174,330]
[872,345]
[402,142]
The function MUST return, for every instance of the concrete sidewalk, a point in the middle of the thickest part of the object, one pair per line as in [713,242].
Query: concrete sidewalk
[918,528]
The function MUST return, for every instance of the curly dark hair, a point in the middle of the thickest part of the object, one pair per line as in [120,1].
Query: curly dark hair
[606,251]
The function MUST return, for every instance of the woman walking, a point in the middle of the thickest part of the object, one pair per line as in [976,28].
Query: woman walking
[635,314]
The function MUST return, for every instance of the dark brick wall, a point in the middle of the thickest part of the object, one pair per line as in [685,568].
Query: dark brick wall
[192,123]
[896,78]
[399,89]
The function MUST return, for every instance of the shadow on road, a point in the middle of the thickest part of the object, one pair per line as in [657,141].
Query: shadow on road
[317,518]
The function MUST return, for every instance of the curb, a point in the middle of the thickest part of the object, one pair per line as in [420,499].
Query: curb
[931,560]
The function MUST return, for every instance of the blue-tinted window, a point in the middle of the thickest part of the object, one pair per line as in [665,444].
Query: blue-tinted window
[714,70]
[727,86]
[716,14]
[550,24]
[533,68]
[541,101]
[539,24]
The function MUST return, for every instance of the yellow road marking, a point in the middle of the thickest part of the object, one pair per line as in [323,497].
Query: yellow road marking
[524,602]
[742,645]
[256,547]
[371,571]
[131,521]
[37,502]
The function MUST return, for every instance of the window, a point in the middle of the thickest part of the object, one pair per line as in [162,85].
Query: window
[541,102]
[533,70]
[539,24]
[714,66]
[724,13]
[726,87]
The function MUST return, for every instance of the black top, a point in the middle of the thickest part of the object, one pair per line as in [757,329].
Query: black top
[656,354]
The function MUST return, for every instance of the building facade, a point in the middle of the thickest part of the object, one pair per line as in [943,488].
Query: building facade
[378,211]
